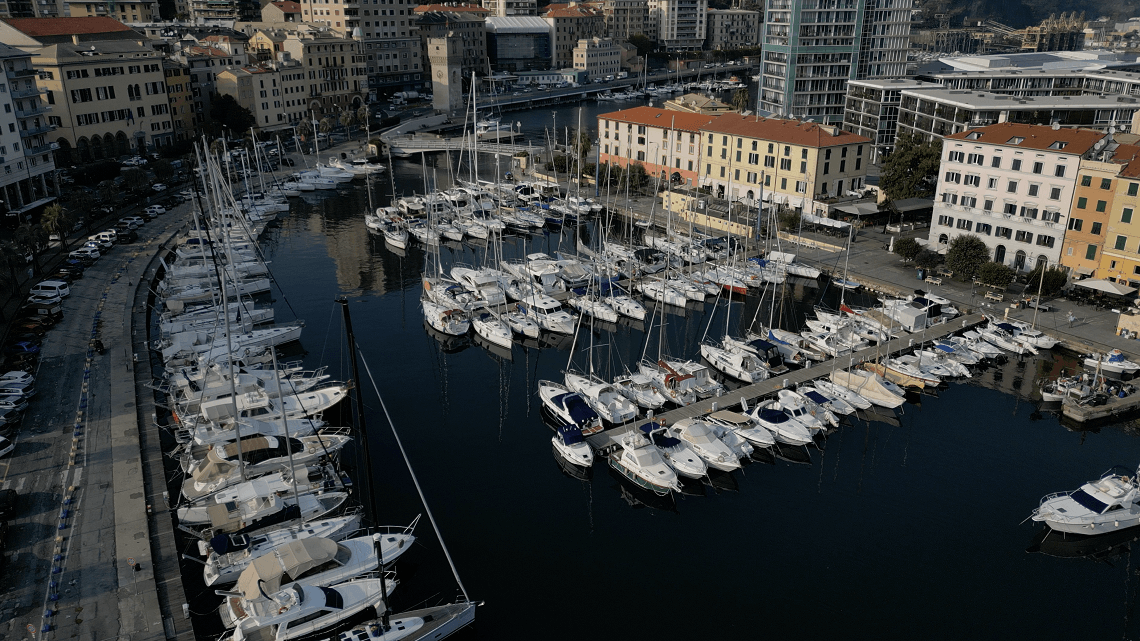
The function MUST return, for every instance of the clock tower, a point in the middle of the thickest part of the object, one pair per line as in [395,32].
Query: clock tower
[446,58]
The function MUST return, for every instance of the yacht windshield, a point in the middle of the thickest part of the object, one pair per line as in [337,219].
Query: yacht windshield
[1088,502]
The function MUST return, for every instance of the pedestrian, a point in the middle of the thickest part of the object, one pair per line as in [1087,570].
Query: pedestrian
[1071,319]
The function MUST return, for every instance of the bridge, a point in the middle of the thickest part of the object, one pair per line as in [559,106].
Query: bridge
[405,146]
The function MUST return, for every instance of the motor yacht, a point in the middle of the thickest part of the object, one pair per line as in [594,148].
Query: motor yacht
[640,389]
[743,427]
[301,610]
[676,452]
[868,385]
[780,424]
[639,461]
[1113,362]
[602,397]
[569,407]
[1107,504]
[572,446]
[698,436]
[852,398]
[742,366]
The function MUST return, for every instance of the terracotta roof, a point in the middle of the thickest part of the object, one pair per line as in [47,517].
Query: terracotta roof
[661,118]
[1129,156]
[472,8]
[217,38]
[570,12]
[1075,141]
[209,51]
[794,132]
[65,26]
[288,6]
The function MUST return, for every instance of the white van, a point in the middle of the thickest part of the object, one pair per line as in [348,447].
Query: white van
[52,287]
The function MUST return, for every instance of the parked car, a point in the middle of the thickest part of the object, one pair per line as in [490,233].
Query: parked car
[54,312]
[30,327]
[156,209]
[128,236]
[21,347]
[45,299]
[134,221]
[14,405]
[85,254]
[99,241]
[56,287]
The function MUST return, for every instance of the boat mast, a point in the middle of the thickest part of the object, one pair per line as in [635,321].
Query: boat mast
[285,426]
[363,431]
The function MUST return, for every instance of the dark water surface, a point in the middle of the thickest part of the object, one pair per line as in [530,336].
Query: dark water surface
[892,531]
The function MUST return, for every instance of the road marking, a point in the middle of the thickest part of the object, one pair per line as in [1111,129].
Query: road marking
[20,484]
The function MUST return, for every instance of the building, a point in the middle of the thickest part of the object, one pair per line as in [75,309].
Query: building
[872,110]
[138,11]
[26,33]
[282,11]
[334,70]
[180,96]
[568,24]
[625,18]
[678,25]
[446,58]
[1066,33]
[27,182]
[521,43]
[468,27]
[1083,247]
[642,135]
[1120,258]
[809,53]
[30,9]
[697,103]
[598,57]
[1012,185]
[788,162]
[507,8]
[732,29]
[1018,72]
[109,99]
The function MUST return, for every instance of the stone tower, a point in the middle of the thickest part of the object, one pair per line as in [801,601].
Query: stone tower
[446,58]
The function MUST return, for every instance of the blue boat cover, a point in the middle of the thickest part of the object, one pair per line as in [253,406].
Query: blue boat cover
[773,416]
[817,397]
[649,427]
[1007,327]
[661,439]
[772,338]
[1116,357]
[944,347]
[761,345]
[579,411]
[918,300]
[580,291]
[570,434]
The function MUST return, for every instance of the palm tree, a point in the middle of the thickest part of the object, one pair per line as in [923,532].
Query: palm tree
[35,239]
[740,100]
[54,220]
[347,120]
[362,116]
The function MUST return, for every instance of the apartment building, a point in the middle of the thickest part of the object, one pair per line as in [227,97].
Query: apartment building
[812,48]
[1012,185]
[520,43]
[392,51]
[666,143]
[730,29]
[27,177]
[569,24]
[1083,247]
[181,98]
[1120,256]
[136,11]
[789,162]
[334,67]
[468,27]
[282,11]
[872,110]
[598,57]
[679,25]
[108,99]
[506,8]
[625,18]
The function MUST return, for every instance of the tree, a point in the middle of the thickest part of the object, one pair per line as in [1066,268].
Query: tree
[789,220]
[1055,280]
[740,100]
[226,112]
[911,170]
[966,255]
[55,220]
[927,259]
[326,125]
[12,258]
[996,274]
[637,176]
[135,179]
[163,170]
[643,43]
[108,191]
[362,115]
[581,143]
[34,239]
[305,128]
[347,119]
[907,248]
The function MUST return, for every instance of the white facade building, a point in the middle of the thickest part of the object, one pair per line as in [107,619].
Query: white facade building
[679,24]
[1012,186]
[598,57]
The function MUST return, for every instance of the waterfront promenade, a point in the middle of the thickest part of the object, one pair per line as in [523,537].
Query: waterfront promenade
[89,553]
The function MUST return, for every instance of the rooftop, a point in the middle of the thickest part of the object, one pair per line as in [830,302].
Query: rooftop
[446,8]
[795,132]
[448,17]
[288,6]
[1068,141]
[987,100]
[40,27]
[1053,60]
[653,117]
[570,12]
[517,24]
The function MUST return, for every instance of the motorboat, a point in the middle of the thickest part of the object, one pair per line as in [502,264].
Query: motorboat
[639,461]
[261,455]
[449,321]
[676,452]
[490,327]
[572,446]
[743,427]
[228,555]
[741,365]
[957,352]
[661,292]
[810,414]
[1113,362]
[248,508]
[702,383]
[834,404]
[700,438]
[868,385]
[1027,333]
[1105,505]
[1078,389]
[485,284]
[640,389]
[592,305]
[602,397]
[780,424]
[767,353]
[909,366]
[569,407]
[263,406]
[793,348]
[548,313]
[207,480]
[998,336]
[852,398]
[301,610]
[974,342]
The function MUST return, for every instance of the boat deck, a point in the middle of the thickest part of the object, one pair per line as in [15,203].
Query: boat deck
[609,438]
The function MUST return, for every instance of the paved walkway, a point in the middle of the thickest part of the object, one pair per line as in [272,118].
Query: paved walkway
[80,548]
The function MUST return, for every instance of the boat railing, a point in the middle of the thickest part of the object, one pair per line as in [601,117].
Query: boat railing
[1055,495]
[335,431]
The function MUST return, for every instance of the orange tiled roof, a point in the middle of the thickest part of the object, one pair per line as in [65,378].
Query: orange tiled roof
[570,12]
[661,118]
[472,8]
[1078,141]
[288,6]
[1129,156]
[65,26]
[209,51]
[794,132]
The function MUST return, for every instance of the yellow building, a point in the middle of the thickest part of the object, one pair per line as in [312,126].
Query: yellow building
[181,98]
[1089,217]
[138,11]
[789,162]
[1120,260]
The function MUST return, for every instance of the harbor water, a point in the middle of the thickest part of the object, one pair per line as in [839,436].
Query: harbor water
[893,529]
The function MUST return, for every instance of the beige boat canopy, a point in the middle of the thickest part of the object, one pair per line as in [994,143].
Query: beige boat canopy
[280,566]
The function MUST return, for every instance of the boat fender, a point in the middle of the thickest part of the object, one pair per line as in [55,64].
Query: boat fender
[281,610]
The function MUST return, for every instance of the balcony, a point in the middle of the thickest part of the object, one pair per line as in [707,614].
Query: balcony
[21,73]
[30,113]
[28,93]
[40,149]
[28,133]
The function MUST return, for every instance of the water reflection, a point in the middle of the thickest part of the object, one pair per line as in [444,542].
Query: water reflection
[1074,546]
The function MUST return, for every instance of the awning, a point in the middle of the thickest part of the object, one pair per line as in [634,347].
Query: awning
[859,209]
[1084,271]
[1107,286]
[818,220]
[913,204]
[293,559]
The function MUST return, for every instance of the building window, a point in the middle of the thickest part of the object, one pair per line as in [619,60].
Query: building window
[1090,252]
[1096,229]
[1101,205]
[1060,171]
[988,206]
[947,221]
[1037,167]
[1010,208]
[1126,215]
[996,162]
[1082,202]
[1016,164]
[1075,224]
[1033,189]
[826,166]
[1086,181]
[1011,187]
[1132,188]
[1121,242]
[1106,183]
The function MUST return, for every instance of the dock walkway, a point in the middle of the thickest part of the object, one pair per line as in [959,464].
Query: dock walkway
[611,437]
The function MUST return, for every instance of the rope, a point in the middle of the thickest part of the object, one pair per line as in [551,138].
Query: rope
[415,480]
